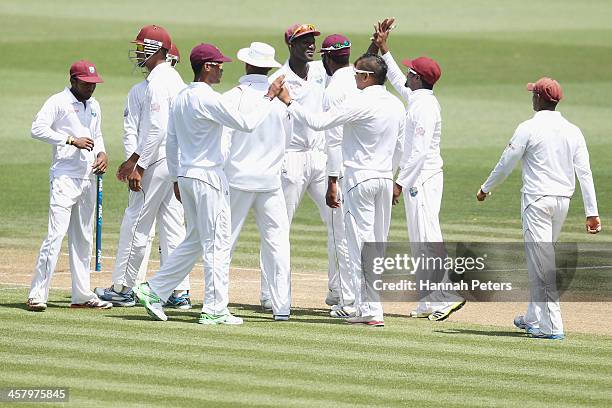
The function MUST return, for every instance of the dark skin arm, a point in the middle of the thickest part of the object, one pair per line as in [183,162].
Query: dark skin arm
[101,163]
[397,193]
[331,197]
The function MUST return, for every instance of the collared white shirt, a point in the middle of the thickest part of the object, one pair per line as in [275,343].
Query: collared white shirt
[196,127]
[255,159]
[423,128]
[131,117]
[164,84]
[309,93]
[554,153]
[341,88]
[62,116]
[373,132]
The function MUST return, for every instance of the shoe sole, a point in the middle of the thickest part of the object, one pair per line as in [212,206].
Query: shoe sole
[450,312]
[370,324]
[122,304]
[151,312]
[207,322]
[84,306]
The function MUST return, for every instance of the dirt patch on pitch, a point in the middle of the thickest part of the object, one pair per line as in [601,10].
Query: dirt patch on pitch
[309,290]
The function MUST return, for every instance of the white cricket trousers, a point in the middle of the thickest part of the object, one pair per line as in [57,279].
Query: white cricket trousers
[422,207]
[155,201]
[367,217]
[542,223]
[271,218]
[207,212]
[306,172]
[71,210]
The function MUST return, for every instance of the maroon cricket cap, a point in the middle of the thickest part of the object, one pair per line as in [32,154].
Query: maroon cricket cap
[207,53]
[298,30]
[548,88]
[427,68]
[85,71]
[336,44]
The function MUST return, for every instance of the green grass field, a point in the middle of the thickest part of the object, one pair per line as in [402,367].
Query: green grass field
[487,50]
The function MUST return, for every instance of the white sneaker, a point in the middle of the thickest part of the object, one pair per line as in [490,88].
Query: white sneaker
[343,312]
[230,319]
[443,314]
[36,306]
[266,305]
[375,321]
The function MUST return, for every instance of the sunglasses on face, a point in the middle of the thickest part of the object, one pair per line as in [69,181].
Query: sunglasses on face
[361,71]
[304,28]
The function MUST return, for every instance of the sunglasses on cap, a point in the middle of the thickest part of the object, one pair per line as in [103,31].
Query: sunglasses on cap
[337,46]
[304,28]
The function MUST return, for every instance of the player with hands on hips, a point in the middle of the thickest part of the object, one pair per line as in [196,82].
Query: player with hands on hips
[71,122]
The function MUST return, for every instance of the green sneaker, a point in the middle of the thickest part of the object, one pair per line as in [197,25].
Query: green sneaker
[150,301]
[206,318]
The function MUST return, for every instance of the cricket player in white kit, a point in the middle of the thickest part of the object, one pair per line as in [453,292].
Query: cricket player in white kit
[341,87]
[253,169]
[70,122]
[304,169]
[152,196]
[131,124]
[553,152]
[373,132]
[195,159]
[420,178]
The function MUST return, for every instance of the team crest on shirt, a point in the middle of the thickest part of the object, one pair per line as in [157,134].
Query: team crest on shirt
[413,191]
[420,131]
[94,114]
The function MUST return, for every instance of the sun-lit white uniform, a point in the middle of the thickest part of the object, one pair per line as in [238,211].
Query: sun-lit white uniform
[340,88]
[156,200]
[553,152]
[304,168]
[373,131]
[131,123]
[72,191]
[195,158]
[421,176]
[253,170]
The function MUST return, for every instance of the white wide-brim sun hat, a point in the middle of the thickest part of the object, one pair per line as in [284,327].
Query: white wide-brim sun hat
[259,55]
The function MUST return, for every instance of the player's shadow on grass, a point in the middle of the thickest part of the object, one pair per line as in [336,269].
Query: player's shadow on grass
[299,314]
[482,332]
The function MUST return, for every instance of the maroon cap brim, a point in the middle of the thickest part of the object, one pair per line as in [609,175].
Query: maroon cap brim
[407,63]
[90,79]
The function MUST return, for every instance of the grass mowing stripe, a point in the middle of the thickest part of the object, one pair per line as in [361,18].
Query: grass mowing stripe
[210,392]
[418,390]
[393,367]
[447,350]
[220,372]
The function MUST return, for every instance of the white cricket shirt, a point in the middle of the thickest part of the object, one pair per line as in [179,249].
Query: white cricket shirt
[164,84]
[341,88]
[196,127]
[309,93]
[255,159]
[423,128]
[554,153]
[61,116]
[372,134]
[131,117]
